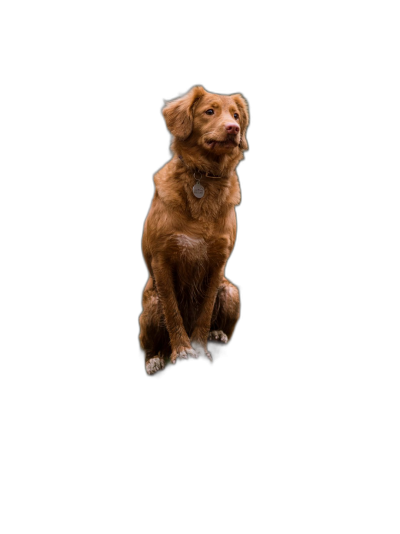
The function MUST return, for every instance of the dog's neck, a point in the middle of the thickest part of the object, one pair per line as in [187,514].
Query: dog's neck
[196,171]
[196,159]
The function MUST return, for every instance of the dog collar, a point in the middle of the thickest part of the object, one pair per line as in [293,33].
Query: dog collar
[197,171]
[198,189]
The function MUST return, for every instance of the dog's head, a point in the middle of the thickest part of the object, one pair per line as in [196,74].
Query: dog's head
[215,123]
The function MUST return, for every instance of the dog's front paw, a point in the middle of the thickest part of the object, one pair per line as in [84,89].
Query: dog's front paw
[154,364]
[201,346]
[218,335]
[183,352]
[204,354]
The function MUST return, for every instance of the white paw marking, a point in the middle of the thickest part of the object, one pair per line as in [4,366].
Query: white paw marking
[187,352]
[183,353]
[204,354]
[154,364]
[192,353]
[218,335]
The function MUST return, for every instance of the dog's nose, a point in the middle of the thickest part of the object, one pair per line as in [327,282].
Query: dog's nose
[232,128]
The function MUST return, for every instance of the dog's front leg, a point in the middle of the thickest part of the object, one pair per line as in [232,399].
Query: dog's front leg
[201,330]
[180,343]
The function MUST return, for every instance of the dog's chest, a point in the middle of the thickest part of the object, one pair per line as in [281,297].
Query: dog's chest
[194,256]
[206,209]
[190,262]
[189,250]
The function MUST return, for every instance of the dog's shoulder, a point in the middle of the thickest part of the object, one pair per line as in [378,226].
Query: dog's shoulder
[166,184]
[234,191]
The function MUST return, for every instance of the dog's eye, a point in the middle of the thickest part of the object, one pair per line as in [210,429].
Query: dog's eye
[236,116]
[210,112]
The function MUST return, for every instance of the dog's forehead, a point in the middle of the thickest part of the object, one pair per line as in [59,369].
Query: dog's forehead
[224,101]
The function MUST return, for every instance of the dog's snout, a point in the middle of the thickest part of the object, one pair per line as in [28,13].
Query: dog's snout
[232,128]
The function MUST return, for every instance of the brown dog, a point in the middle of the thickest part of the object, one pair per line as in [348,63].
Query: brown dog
[190,229]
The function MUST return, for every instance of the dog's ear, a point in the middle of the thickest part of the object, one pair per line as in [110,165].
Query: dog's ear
[178,113]
[243,106]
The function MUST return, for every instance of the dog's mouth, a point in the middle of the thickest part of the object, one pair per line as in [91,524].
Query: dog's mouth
[226,143]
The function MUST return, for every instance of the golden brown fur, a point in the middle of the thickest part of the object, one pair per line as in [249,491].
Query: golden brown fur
[187,240]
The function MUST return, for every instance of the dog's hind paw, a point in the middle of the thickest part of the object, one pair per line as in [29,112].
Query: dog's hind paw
[202,353]
[154,364]
[218,335]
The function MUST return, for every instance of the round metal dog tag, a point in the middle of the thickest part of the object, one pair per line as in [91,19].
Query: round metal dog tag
[198,190]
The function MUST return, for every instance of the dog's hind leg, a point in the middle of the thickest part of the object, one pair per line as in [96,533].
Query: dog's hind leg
[153,337]
[226,312]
